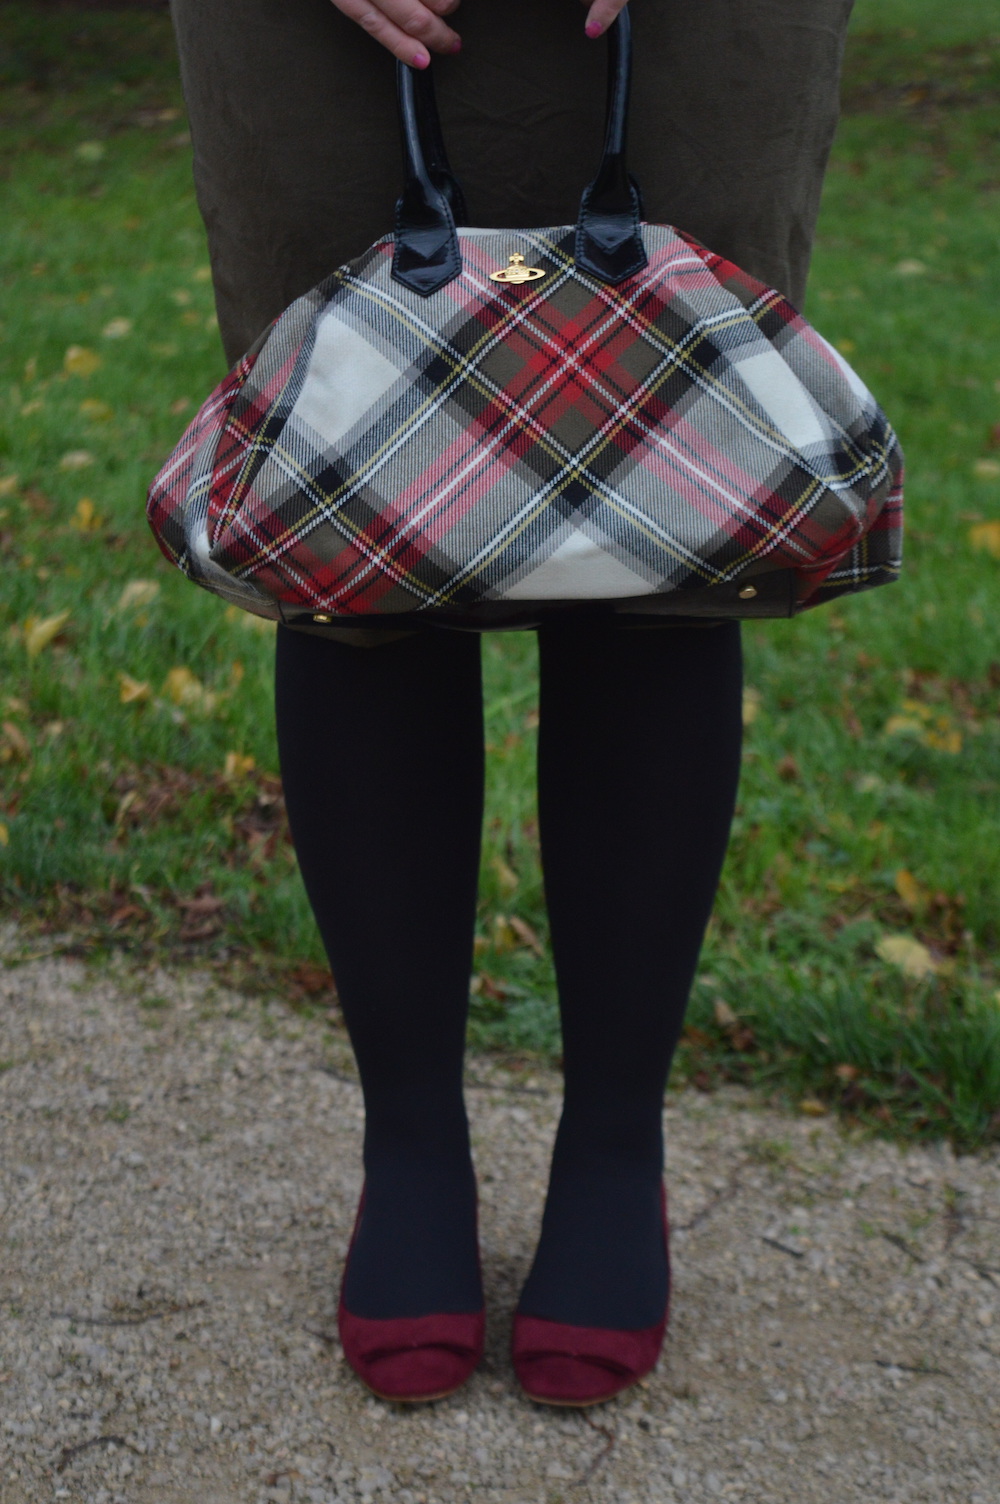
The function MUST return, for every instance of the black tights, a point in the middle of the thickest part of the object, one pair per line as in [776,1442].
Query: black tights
[382,760]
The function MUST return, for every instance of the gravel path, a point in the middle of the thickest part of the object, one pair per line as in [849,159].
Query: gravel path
[179,1173]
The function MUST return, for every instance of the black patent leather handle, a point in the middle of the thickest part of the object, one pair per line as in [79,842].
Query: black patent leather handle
[427,255]
[608,239]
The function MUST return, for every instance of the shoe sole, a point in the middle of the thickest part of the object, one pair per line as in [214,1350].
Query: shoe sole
[412,1399]
[540,1399]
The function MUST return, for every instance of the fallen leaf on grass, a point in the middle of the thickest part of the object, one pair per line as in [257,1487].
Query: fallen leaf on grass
[76,459]
[180,406]
[86,519]
[911,956]
[906,885]
[14,745]
[202,915]
[237,766]
[202,903]
[132,691]
[506,876]
[985,538]
[311,979]
[751,705]
[910,268]
[739,1035]
[96,411]
[526,935]
[90,151]
[483,985]
[124,914]
[846,1073]
[812,1107]
[38,632]
[138,593]
[987,469]
[79,361]
[117,329]
[933,730]
[9,484]
[4,835]
[185,689]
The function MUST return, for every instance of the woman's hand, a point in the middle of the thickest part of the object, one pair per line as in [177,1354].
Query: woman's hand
[600,14]
[410,29]
[413,29]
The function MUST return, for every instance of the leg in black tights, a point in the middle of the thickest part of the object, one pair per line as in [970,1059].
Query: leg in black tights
[381,753]
[382,761]
[638,763]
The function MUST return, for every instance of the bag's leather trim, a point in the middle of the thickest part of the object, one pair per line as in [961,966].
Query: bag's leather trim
[776,595]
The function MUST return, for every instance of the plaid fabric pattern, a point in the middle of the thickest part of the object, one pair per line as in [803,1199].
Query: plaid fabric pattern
[380,454]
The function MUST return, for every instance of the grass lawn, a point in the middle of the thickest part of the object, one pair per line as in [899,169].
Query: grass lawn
[852,963]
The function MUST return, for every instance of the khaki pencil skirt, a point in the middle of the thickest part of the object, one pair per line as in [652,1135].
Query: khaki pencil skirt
[297,159]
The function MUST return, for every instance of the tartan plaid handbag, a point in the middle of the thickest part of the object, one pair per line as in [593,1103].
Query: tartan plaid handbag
[481,428]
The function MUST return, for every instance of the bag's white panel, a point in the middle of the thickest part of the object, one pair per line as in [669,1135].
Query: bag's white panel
[578,570]
[345,379]
[783,397]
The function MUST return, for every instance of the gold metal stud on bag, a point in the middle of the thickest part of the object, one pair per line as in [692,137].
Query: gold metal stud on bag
[517,271]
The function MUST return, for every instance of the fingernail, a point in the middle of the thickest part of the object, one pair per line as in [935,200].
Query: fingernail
[456,45]
[421,60]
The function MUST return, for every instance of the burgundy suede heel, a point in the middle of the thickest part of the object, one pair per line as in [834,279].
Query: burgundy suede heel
[410,1359]
[557,1364]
